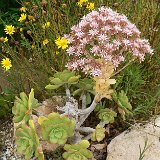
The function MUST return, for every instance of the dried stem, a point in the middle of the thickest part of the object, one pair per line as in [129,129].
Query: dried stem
[38,114]
[124,66]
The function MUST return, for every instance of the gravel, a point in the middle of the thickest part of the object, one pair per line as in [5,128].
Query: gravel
[7,146]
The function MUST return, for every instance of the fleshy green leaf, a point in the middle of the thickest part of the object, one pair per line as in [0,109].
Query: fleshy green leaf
[107,115]
[23,106]
[56,129]
[77,151]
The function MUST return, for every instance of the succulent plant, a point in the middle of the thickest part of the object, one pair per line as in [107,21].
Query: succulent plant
[27,141]
[85,86]
[56,129]
[99,134]
[77,151]
[125,108]
[107,115]
[62,78]
[23,106]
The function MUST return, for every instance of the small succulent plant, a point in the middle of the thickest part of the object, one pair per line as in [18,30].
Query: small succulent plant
[125,108]
[23,106]
[56,129]
[85,86]
[27,141]
[77,151]
[62,78]
[107,115]
[99,134]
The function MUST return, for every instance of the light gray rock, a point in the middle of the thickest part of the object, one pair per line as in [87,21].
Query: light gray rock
[126,146]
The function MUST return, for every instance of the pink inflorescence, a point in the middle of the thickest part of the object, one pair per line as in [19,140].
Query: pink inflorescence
[104,34]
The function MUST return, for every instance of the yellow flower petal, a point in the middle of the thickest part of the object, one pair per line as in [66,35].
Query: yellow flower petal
[9,29]
[6,63]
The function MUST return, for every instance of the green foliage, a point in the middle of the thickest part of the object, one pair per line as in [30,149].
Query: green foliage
[99,134]
[122,100]
[6,100]
[62,78]
[84,85]
[27,141]
[8,14]
[107,115]
[56,129]
[100,106]
[77,151]
[23,106]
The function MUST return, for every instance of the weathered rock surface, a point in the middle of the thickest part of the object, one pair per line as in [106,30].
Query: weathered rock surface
[127,145]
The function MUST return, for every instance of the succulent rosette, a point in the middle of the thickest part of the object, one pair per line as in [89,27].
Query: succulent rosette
[62,78]
[107,115]
[99,134]
[124,106]
[27,141]
[77,151]
[56,129]
[23,106]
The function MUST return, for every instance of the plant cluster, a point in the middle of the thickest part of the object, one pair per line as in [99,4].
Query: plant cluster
[96,51]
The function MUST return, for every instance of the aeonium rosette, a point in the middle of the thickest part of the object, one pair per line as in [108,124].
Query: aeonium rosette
[27,141]
[77,151]
[56,129]
[107,115]
[104,34]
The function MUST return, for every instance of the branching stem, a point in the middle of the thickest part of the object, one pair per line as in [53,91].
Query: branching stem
[86,129]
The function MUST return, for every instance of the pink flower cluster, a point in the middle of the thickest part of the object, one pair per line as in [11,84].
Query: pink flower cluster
[104,34]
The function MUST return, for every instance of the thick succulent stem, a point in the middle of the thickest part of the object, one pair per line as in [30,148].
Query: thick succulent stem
[84,113]
[89,109]
[86,129]
[102,124]
[68,93]
[84,102]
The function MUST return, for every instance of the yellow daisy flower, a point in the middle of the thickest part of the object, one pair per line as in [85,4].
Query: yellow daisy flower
[22,17]
[6,63]
[80,3]
[46,25]
[46,41]
[90,6]
[9,29]
[5,39]
[23,9]
[62,42]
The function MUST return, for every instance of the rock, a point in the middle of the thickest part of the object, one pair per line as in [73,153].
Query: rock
[126,146]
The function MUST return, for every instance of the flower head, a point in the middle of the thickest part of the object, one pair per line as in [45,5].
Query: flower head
[90,6]
[23,9]
[62,42]
[5,39]
[9,29]
[104,34]
[80,3]
[46,41]
[22,17]
[6,63]
[46,25]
